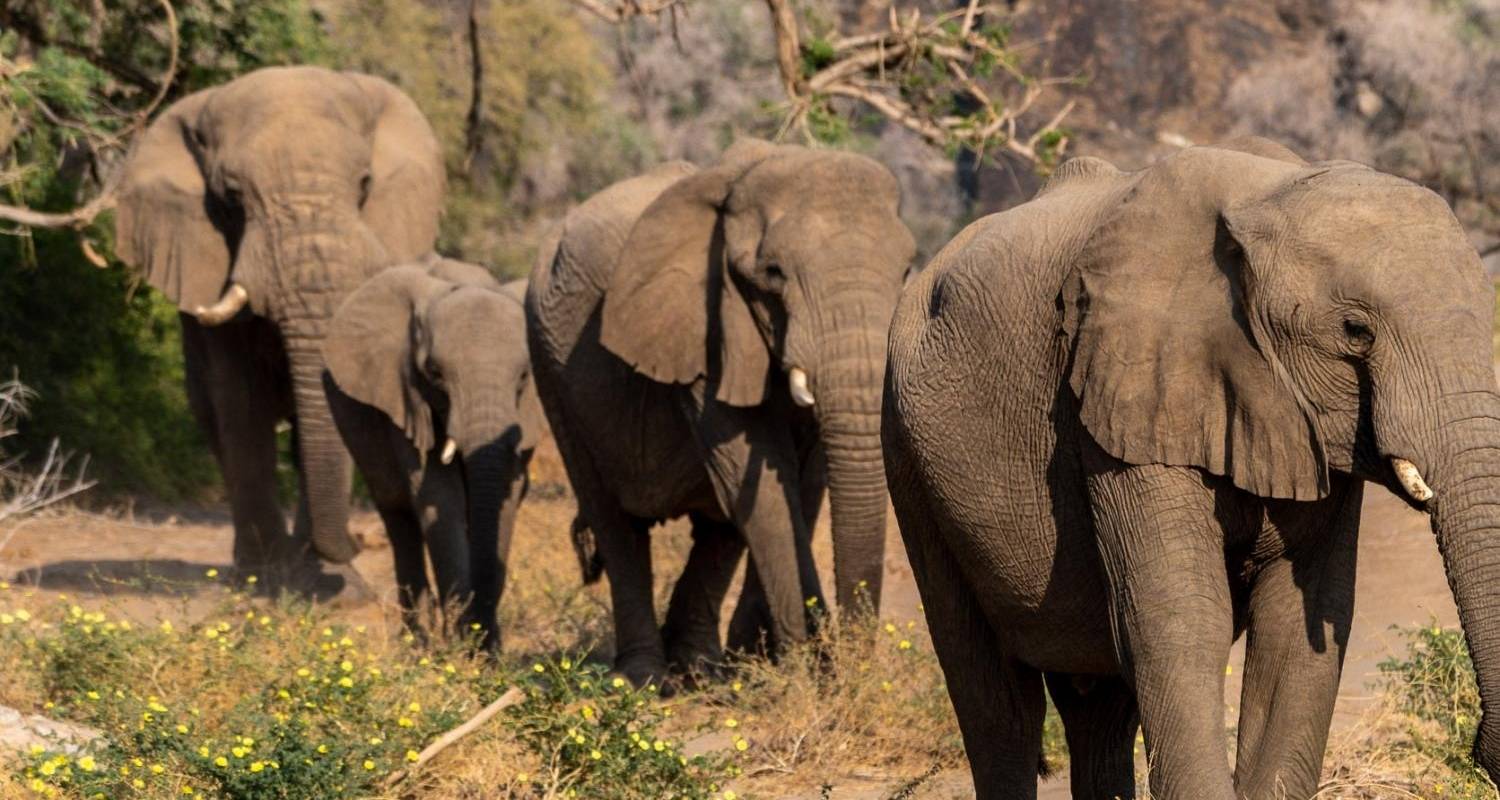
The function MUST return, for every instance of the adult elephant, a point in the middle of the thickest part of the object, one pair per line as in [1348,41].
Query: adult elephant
[430,385]
[703,342]
[1132,419]
[256,207]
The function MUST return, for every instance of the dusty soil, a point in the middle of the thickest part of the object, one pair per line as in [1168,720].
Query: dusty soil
[93,556]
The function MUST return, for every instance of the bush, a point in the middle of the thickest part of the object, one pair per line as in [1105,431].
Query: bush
[283,702]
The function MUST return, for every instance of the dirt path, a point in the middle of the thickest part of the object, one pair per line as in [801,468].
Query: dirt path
[1401,582]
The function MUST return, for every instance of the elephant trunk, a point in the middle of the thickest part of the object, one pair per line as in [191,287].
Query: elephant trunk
[488,437]
[1465,479]
[848,406]
[325,464]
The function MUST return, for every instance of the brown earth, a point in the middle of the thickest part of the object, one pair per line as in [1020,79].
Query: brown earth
[101,557]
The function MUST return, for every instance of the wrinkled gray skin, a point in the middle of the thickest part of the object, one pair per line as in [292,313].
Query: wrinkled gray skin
[663,331]
[419,355]
[1132,419]
[287,187]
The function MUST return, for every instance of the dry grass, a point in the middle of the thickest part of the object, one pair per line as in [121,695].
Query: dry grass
[862,709]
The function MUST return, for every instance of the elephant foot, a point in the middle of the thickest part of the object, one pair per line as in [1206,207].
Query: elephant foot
[695,663]
[644,673]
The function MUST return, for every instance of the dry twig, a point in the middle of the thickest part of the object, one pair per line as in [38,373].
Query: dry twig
[510,698]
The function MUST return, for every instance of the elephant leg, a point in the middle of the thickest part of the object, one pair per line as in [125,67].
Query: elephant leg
[1100,720]
[691,632]
[405,533]
[999,701]
[234,402]
[750,625]
[1300,609]
[625,543]
[442,511]
[1162,549]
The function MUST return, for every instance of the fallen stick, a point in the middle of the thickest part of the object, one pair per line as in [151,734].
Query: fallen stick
[510,698]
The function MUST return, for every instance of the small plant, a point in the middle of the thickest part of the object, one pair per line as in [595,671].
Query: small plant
[281,701]
[595,736]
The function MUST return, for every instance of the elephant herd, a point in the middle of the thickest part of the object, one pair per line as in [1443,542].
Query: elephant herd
[1121,425]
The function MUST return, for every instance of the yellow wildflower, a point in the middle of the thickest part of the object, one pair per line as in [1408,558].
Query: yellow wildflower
[221,762]
[412,755]
[212,573]
[595,754]
[905,644]
[741,744]
[369,764]
[86,763]
[731,723]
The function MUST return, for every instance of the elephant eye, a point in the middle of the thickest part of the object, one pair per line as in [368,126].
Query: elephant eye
[774,277]
[1359,335]
[364,189]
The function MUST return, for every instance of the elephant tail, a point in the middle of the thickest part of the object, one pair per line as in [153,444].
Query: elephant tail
[590,560]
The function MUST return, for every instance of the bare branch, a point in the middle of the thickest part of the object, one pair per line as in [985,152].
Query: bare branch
[893,73]
[82,216]
[621,10]
[472,130]
[22,492]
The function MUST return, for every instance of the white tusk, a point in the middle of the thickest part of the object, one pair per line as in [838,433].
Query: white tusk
[221,312]
[1411,480]
[800,394]
[450,449]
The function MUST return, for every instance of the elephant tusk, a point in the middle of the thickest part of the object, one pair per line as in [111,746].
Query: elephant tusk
[450,448]
[800,393]
[1411,480]
[234,299]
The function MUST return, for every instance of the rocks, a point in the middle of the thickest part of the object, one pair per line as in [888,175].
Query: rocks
[19,732]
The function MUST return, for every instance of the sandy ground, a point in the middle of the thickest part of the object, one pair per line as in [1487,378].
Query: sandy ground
[1401,583]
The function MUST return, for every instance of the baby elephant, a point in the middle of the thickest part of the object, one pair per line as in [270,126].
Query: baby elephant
[430,385]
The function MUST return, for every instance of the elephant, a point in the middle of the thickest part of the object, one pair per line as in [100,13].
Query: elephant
[1131,420]
[710,343]
[430,386]
[256,207]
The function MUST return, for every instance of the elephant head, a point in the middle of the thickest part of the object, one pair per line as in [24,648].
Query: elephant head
[1268,320]
[280,192]
[774,275]
[440,349]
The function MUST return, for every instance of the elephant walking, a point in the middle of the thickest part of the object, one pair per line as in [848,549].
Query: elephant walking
[710,342]
[430,385]
[256,207]
[1131,420]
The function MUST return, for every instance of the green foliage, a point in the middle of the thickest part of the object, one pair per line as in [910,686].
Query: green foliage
[281,702]
[1434,685]
[597,737]
[817,54]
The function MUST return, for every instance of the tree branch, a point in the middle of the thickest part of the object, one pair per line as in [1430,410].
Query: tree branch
[621,10]
[892,73]
[82,216]
[473,133]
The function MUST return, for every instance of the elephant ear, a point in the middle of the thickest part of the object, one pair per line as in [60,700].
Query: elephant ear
[163,224]
[369,348]
[405,194]
[669,285]
[1169,363]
